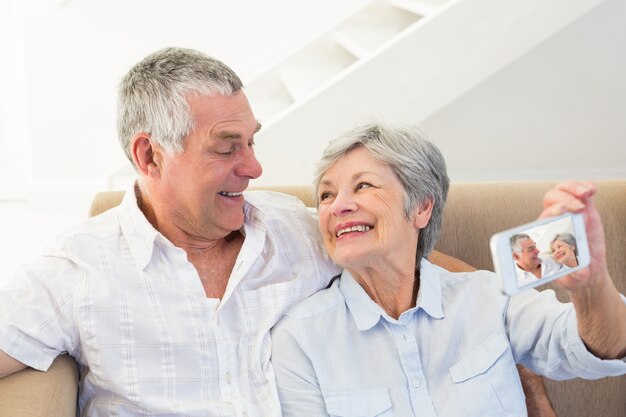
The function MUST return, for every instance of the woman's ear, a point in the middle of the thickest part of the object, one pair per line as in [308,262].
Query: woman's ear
[146,155]
[421,215]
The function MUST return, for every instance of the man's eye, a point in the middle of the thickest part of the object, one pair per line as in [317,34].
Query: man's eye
[224,152]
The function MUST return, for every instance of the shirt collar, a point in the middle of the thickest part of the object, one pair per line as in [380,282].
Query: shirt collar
[254,230]
[142,236]
[367,313]
[137,230]
[429,295]
[254,218]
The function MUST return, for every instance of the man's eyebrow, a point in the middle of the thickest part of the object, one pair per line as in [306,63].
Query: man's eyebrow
[226,134]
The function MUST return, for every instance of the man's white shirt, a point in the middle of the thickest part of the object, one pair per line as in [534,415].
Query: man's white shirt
[130,308]
[548,267]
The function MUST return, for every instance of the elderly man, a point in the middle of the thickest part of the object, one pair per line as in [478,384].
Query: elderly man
[166,301]
[530,266]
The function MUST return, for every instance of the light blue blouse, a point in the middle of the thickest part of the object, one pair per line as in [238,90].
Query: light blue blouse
[339,354]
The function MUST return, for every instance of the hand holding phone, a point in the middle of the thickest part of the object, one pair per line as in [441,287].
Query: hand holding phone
[600,309]
[533,254]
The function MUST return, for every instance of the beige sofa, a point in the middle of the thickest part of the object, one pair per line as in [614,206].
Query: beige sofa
[473,213]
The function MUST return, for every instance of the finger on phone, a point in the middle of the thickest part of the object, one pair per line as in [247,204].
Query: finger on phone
[553,210]
[558,197]
[581,190]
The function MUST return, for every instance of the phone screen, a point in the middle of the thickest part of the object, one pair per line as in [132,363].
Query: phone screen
[544,251]
[532,254]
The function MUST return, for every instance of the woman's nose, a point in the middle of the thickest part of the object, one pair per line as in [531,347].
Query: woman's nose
[343,204]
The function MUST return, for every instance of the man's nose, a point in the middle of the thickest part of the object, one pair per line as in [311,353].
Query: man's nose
[249,166]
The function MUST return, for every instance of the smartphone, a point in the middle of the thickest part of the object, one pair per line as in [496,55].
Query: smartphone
[535,253]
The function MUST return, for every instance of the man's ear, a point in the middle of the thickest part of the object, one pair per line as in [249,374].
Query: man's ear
[421,215]
[147,156]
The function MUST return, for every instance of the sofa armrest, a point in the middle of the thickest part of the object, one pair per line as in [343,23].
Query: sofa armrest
[32,393]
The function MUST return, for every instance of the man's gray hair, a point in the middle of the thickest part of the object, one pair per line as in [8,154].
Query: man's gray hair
[153,95]
[516,239]
[417,162]
[567,238]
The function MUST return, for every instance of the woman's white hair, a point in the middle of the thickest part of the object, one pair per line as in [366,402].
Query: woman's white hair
[417,162]
[567,238]
[153,95]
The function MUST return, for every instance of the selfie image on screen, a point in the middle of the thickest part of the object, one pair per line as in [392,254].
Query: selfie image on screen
[543,251]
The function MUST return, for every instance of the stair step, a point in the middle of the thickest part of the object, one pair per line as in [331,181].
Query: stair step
[421,8]
[376,24]
[351,45]
[268,95]
[315,65]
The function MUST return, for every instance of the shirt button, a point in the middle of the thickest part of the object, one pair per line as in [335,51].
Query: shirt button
[228,378]
[416,383]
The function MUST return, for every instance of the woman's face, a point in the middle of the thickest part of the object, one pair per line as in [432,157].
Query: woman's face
[361,214]
[563,253]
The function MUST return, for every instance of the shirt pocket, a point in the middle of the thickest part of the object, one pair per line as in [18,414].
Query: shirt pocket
[358,403]
[271,296]
[265,305]
[487,380]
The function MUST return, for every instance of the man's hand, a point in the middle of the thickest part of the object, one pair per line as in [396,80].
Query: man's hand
[537,400]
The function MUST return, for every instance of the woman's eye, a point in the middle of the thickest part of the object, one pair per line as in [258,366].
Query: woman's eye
[363,185]
[324,196]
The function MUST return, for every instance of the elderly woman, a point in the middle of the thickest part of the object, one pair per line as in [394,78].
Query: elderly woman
[397,335]
[564,251]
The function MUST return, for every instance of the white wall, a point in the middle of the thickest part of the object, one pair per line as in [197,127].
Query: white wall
[558,112]
[14,132]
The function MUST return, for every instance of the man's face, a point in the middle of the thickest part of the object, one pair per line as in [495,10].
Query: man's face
[528,259]
[201,187]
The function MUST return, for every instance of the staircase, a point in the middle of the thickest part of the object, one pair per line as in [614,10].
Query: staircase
[317,64]
[400,60]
